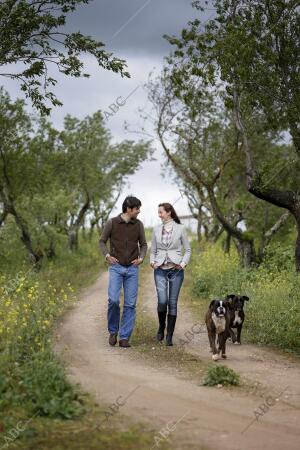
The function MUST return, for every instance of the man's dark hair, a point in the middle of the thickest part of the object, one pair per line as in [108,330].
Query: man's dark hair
[131,202]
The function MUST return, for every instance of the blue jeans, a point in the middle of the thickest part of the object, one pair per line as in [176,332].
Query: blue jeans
[168,283]
[126,276]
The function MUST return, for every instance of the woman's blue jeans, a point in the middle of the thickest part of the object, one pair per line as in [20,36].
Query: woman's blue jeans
[126,276]
[168,283]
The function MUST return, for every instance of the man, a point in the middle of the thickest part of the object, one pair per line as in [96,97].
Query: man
[128,249]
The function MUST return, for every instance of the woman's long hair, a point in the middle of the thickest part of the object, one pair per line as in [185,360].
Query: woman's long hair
[169,208]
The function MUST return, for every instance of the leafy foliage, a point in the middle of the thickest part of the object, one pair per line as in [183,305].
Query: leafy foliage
[33,34]
[51,180]
[223,375]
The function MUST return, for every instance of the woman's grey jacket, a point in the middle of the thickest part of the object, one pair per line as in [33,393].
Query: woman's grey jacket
[179,241]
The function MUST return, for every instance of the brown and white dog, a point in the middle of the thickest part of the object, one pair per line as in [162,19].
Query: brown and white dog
[237,315]
[217,321]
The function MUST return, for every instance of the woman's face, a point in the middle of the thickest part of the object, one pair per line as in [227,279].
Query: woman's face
[163,214]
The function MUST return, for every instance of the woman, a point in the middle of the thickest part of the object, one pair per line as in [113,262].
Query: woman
[166,259]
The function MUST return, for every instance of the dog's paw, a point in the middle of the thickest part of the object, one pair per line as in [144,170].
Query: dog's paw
[215,357]
[224,356]
[237,343]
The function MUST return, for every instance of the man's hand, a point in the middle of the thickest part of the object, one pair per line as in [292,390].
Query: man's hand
[178,266]
[153,265]
[137,261]
[112,260]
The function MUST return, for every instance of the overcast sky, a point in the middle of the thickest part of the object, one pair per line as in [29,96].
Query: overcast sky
[132,30]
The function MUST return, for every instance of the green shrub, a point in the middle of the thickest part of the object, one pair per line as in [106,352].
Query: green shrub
[221,375]
[30,302]
[45,387]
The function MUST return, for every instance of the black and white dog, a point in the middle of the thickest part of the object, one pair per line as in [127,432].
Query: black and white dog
[217,321]
[237,315]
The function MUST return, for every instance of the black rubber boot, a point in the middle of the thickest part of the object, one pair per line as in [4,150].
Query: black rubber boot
[162,325]
[170,329]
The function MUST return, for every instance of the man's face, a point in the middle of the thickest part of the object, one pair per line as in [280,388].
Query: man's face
[133,212]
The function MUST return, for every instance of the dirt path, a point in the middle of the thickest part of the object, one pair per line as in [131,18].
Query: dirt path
[206,417]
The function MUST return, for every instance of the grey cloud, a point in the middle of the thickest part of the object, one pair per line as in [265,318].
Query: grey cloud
[141,33]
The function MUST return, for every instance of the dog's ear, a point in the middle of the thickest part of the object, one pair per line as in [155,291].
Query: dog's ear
[211,305]
[244,297]
[229,300]
[228,303]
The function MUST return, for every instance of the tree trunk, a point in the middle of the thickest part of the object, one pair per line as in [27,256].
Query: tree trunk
[34,256]
[217,232]
[73,239]
[3,215]
[9,207]
[50,250]
[267,235]
[244,245]
[74,230]
[83,231]
[206,232]
[284,199]
[227,242]
[297,247]
[246,252]
[92,226]
[199,225]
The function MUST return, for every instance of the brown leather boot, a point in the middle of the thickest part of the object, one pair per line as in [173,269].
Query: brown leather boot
[124,343]
[112,340]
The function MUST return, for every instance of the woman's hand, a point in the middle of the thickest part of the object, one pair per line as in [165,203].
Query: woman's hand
[153,265]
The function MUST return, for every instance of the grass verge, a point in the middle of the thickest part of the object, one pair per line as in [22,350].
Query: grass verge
[273,312]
